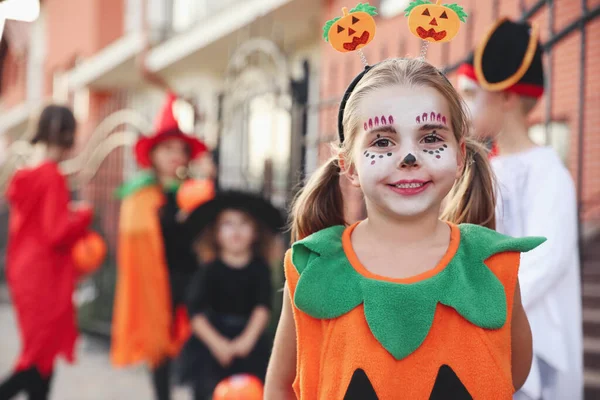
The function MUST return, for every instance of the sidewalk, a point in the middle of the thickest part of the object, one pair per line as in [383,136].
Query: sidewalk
[92,378]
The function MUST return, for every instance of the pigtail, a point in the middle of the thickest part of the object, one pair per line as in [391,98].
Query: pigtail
[472,199]
[319,204]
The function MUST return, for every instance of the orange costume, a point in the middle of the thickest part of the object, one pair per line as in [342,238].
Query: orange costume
[143,325]
[149,321]
[362,336]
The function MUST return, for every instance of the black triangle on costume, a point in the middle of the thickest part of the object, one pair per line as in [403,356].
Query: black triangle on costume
[448,387]
[360,387]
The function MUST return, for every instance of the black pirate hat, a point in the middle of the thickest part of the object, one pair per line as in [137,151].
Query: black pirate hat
[509,58]
[257,207]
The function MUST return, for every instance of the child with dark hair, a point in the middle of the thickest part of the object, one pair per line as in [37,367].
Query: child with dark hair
[230,298]
[44,224]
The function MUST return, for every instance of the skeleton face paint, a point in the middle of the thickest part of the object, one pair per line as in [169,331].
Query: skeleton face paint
[406,161]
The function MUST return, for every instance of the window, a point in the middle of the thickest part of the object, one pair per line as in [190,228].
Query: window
[556,135]
[391,8]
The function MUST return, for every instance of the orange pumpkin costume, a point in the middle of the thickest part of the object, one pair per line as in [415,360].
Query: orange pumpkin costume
[442,334]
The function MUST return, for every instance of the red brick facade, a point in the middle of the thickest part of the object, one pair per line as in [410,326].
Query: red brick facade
[394,39]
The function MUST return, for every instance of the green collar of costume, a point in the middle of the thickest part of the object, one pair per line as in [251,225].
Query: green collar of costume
[400,315]
[141,180]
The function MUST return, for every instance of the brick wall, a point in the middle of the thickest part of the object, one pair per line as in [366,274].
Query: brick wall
[394,39]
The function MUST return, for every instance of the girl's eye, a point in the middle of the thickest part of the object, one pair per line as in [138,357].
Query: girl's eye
[383,143]
[432,138]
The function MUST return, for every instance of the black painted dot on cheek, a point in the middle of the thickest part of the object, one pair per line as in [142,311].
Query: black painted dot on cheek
[424,151]
[441,149]
[431,152]
[389,154]
[372,156]
[446,146]
[380,156]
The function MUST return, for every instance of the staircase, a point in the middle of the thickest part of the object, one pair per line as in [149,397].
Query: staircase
[591,317]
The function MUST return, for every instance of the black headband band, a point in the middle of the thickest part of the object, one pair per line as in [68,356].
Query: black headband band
[345,99]
[349,91]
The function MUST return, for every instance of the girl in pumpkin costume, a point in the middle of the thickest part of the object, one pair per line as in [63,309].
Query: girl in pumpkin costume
[402,305]
[155,261]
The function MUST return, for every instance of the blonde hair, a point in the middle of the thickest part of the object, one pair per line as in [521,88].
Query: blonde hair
[320,204]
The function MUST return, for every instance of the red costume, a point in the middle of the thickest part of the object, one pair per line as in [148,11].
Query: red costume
[40,272]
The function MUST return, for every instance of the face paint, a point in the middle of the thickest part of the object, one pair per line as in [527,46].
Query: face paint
[409,160]
[431,117]
[404,151]
[436,152]
[375,122]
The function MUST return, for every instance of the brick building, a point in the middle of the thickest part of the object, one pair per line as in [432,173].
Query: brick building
[561,105]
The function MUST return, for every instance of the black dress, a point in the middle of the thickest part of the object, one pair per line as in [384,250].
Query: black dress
[227,297]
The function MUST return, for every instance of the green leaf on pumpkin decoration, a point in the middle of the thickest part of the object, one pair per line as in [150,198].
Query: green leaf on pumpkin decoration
[462,15]
[400,315]
[414,4]
[327,27]
[365,7]
[361,7]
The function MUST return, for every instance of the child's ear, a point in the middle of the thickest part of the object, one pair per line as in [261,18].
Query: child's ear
[349,170]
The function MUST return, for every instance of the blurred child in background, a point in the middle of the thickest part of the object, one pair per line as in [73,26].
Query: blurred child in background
[230,297]
[44,225]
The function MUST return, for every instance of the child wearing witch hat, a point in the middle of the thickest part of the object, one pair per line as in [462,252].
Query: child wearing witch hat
[502,83]
[230,298]
[155,261]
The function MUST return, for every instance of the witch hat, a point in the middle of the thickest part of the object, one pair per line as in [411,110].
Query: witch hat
[166,127]
[255,205]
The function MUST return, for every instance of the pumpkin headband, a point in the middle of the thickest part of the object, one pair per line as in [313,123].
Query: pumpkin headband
[432,23]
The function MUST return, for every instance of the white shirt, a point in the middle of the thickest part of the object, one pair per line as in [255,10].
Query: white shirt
[536,197]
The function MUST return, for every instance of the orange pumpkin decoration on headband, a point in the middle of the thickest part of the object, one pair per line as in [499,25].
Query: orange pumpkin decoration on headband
[437,22]
[353,31]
